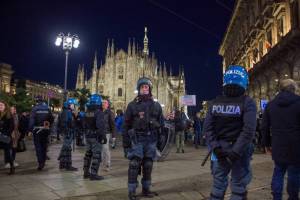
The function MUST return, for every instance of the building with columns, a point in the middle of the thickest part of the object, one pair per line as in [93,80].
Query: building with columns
[264,36]
[5,77]
[118,75]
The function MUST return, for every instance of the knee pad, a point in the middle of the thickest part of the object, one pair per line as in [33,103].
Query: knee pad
[97,156]
[133,171]
[135,163]
[147,168]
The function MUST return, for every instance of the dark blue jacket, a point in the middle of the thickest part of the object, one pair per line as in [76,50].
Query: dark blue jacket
[39,114]
[281,120]
[197,125]
[246,132]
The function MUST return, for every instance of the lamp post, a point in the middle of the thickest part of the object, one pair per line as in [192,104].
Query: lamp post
[67,42]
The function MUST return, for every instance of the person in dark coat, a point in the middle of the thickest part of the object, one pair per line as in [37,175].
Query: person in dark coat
[281,138]
[197,129]
[180,126]
[6,128]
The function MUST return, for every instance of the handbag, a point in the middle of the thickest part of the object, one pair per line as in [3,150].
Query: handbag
[21,146]
[4,138]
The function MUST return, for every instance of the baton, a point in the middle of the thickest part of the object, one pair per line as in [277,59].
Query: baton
[206,158]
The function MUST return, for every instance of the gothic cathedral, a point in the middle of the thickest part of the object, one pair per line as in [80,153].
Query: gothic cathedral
[117,77]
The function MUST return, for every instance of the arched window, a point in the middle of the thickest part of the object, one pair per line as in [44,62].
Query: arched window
[120,72]
[120,92]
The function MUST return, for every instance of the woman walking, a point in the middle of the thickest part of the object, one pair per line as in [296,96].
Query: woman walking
[6,129]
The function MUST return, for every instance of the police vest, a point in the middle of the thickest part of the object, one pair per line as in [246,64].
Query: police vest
[228,113]
[90,119]
[42,114]
[146,115]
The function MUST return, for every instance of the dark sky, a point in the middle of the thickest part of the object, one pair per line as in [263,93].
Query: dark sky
[28,32]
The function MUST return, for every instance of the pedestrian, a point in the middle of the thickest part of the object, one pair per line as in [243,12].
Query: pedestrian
[6,128]
[119,120]
[66,124]
[15,135]
[180,127]
[197,130]
[93,123]
[23,128]
[39,125]
[143,122]
[230,127]
[281,138]
[110,131]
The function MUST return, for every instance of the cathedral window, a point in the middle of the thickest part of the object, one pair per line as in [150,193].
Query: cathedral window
[120,92]
[120,72]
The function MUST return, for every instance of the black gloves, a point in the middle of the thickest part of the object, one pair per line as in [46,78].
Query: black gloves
[220,154]
[223,156]
[102,139]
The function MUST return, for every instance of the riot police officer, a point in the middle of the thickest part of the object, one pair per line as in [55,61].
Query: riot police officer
[143,121]
[229,127]
[39,124]
[67,128]
[79,129]
[93,123]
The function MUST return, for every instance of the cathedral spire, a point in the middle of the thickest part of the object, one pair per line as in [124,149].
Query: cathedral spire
[95,61]
[108,49]
[165,73]
[129,48]
[146,43]
[133,47]
[112,49]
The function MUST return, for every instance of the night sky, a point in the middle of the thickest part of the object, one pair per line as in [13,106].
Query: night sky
[186,32]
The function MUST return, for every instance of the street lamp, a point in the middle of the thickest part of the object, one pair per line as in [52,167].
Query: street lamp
[67,42]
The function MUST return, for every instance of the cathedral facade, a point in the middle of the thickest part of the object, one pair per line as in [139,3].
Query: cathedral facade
[118,76]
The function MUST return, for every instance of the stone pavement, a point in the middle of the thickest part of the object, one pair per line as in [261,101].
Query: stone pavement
[179,177]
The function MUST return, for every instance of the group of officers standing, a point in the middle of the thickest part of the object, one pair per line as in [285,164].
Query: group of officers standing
[143,121]
[229,128]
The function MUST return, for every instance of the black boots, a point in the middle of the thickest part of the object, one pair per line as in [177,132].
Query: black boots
[96,177]
[132,196]
[41,166]
[148,193]
[86,174]
[71,168]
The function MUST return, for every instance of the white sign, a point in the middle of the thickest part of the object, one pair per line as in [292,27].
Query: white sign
[263,104]
[188,100]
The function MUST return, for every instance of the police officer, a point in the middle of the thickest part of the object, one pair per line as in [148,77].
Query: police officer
[93,123]
[229,127]
[39,124]
[67,128]
[143,121]
[79,129]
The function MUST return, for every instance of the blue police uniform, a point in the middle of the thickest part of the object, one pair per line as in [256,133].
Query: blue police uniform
[40,115]
[79,129]
[229,127]
[93,123]
[143,121]
[67,128]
